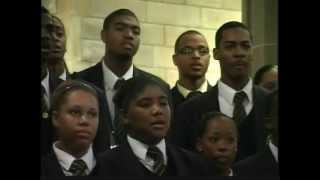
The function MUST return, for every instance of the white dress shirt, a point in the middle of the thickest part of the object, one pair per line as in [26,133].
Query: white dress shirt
[140,150]
[184,91]
[110,80]
[231,172]
[274,150]
[226,95]
[65,159]
[45,84]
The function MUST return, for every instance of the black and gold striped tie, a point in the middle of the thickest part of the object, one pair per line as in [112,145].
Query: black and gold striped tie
[78,168]
[119,133]
[157,156]
[239,112]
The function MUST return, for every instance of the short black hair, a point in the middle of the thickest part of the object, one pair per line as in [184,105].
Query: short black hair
[229,25]
[134,86]
[119,12]
[65,88]
[202,124]
[181,36]
[59,20]
[44,10]
[261,71]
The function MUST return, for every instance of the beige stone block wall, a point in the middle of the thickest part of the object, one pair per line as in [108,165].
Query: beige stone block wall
[162,21]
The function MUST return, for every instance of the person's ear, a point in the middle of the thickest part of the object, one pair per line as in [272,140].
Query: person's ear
[216,54]
[103,36]
[174,58]
[199,145]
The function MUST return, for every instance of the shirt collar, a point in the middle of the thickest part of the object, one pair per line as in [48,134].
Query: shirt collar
[228,93]
[140,149]
[274,150]
[184,91]
[45,83]
[63,76]
[65,159]
[231,172]
[110,78]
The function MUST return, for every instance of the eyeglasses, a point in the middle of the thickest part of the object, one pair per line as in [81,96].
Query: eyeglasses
[190,51]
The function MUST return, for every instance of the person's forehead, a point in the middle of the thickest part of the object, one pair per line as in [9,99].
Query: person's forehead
[79,95]
[125,19]
[270,75]
[235,34]
[192,40]
[151,91]
[57,23]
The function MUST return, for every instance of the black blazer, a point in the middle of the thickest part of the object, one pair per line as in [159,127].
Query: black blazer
[177,97]
[121,161]
[182,130]
[261,164]
[46,128]
[94,75]
[50,166]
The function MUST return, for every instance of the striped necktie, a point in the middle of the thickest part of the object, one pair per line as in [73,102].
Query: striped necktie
[239,112]
[78,168]
[159,166]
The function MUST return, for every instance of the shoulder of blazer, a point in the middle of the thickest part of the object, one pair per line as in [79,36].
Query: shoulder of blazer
[92,74]
[177,97]
[87,73]
[207,100]
[139,72]
[50,165]
[257,162]
[190,162]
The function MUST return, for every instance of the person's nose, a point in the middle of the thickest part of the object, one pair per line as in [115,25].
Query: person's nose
[222,146]
[240,51]
[196,54]
[129,34]
[156,109]
[84,119]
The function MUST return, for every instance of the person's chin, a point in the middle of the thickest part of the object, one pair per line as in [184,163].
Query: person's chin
[82,144]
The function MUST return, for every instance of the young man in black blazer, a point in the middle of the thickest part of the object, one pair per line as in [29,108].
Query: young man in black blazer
[234,52]
[53,69]
[191,57]
[144,105]
[121,35]
[265,163]
[53,72]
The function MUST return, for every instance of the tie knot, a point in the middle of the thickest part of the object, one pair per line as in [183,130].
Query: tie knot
[157,156]
[193,94]
[78,167]
[154,153]
[119,83]
[239,97]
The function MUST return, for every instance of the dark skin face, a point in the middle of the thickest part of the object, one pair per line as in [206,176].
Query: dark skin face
[76,122]
[269,80]
[53,40]
[45,19]
[219,143]
[53,44]
[148,115]
[235,56]
[192,60]
[122,40]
